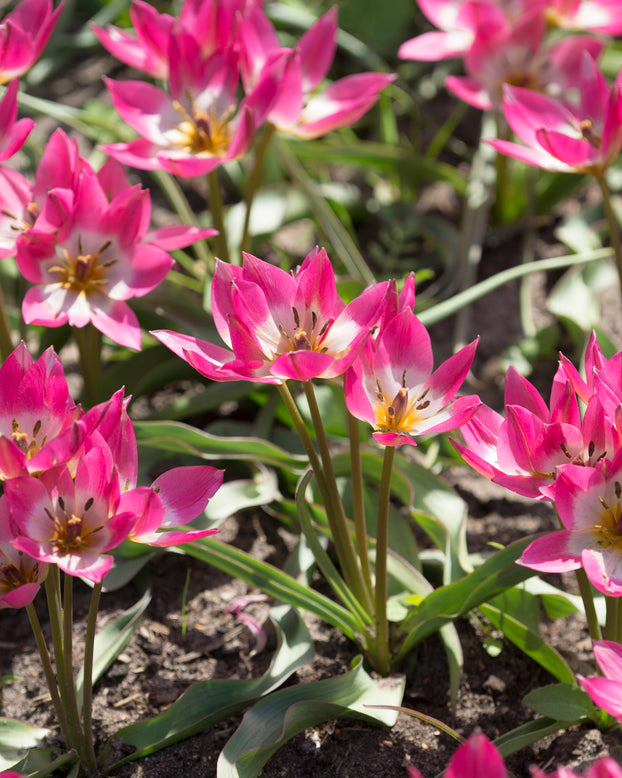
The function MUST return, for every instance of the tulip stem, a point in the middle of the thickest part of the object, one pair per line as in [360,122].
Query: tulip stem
[614,227]
[216,208]
[383,660]
[585,589]
[358,499]
[334,509]
[89,345]
[49,674]
[87,697]
[254,182]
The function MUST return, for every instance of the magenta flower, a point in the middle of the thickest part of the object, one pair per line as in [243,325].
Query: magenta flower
[199,124]
[301,108]
[73,524]
[90,251]
[12,134]
[524,450]
[20,574]
[37,414]
[23,35]
[517,54]
[280,325]
[476,758]
[392,387]
[175,498]
[606,692]
[459,22]
[596,15]
[559,136]
[589,504]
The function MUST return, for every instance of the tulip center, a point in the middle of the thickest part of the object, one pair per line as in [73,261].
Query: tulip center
[70,532]
[586,127]
[28,447]
[83,273]
[401,413]
[609,530]
[203,132]
[13,576]
[306,335]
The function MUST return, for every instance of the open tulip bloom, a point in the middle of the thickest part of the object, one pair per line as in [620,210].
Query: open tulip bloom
[23,35]
[606,690]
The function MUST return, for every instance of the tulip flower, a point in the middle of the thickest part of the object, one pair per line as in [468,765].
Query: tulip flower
[518,54]
[392,387]
[476,758]
[301,108]
[601,16]
[601,768]
[280,325]
[589,503]
[561,137]
[89,251]
[12,134]
[20,574]
[37,414]
[606,690]
[23,35]
[196,126]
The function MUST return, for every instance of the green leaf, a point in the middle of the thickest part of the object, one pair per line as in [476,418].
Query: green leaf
[560,701]
[208,702]
[112,639]
[530,642]
[277,718]
[16,737]
[235,496]
[273,582]
[176,437]
[521,737]
[447,603]
[41,762]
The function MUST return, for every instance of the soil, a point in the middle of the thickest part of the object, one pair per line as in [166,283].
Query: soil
[164,659]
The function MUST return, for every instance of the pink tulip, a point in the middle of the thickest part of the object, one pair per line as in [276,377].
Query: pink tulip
[523,450]
[198,124]
[596,15]
[301,108]
[89,251]
[278,325]
[23,35]
[606,692]
[392,387]
[37,414]
[476,758]
[71,524]
[212,23]
[589,504]
[12,134]
[15,199]
[20,575]
[558,136]
[459,21]
[517,54]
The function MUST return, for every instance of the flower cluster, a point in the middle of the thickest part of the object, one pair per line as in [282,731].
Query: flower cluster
[198,121]
[559,454]
[81,237]
[69,482]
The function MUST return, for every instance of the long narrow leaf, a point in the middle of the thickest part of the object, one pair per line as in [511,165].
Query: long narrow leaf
[274,582]
[277,718]
[208,702]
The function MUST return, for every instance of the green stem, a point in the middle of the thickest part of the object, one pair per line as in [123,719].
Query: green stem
[358,499]
[254,182]
[216,208]
[529,241]
[612,624]
[585,589]
[49,674]
[383,658]
[87,699]
[6,342]
[334,509]
[89,344]
[614,228]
